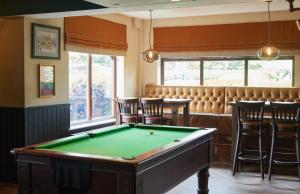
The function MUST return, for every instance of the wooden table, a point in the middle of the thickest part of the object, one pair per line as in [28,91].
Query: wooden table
[174,105]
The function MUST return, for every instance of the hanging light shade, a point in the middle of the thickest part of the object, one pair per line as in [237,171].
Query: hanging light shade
[150,55]
[268,52]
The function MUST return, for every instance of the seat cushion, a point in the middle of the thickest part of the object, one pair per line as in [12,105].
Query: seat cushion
[131,119]
[286,134]
[252,127]
[254,124]
[288,127]
[156,120]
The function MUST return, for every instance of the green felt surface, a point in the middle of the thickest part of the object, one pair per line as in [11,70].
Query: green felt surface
[124,142]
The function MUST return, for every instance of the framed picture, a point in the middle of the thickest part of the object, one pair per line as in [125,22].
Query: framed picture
[46,80]
[45,42]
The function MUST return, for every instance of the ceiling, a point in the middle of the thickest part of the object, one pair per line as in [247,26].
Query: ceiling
[248,7]
[171,8]
[185,8]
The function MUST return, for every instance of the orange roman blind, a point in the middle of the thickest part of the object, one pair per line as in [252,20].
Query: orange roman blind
[95,33]
[244,36]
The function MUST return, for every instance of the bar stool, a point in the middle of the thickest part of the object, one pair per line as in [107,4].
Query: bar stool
[285,125]
[152,110]
[250,121]
[128,110]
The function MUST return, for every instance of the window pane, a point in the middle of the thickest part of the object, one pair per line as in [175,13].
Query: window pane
[78,86]
[224,73]
[270,73]
[102,85]
[182,73]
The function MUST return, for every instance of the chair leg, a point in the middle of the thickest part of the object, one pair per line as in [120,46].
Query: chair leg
[271,156]
[298,153]
[235,160]
[261,158]
[121,120]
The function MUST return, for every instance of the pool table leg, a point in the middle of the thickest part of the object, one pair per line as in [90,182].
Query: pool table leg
[203,181]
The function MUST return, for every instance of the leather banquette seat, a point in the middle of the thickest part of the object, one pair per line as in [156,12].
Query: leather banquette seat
[210,106]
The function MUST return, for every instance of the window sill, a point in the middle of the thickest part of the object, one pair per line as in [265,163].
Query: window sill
[91,125]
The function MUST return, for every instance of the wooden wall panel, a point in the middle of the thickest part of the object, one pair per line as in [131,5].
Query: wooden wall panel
[46,123]
[25,126]
[11,135]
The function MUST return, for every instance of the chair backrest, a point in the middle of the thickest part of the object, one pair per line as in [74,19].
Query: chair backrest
[250,111]
[128,107]
[285,113]
[152,107]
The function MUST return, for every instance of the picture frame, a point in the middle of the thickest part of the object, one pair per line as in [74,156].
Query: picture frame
[46,81]
[45,42]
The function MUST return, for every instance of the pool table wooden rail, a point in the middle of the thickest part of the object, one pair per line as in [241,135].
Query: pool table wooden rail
[158,152]
[154,172]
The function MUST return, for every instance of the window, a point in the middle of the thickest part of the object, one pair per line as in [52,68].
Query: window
[247,71]
[224,73]
[277,73]
[91,86]
[182,73]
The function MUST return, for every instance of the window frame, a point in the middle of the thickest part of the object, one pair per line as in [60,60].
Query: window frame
[90,118]
[202,59]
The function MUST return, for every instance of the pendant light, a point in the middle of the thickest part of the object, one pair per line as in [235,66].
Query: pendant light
[150,55]
[268,52]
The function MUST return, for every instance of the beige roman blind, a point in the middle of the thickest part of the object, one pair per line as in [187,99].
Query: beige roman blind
[94,34]
[243,36]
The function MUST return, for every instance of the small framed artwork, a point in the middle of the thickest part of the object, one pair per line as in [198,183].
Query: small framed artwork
[45,42]
[46,80]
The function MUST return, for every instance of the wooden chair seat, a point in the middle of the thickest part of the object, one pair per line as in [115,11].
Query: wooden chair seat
[132,118]
[285,125]
[250,116]
[289,127]
[153,112]
[251,127]
[156,120]
[286,134]
[128,110]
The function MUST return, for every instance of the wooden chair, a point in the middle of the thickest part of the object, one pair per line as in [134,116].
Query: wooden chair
[152,110]
[285,125]
[250,122]
[128,110]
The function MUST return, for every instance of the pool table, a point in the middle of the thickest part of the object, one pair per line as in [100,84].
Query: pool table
[125,159]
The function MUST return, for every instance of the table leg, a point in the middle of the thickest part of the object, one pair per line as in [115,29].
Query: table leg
[186,115]
[233,133]
[174,113]
[203,181]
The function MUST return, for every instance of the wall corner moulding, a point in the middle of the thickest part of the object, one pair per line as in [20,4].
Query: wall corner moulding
[45,41]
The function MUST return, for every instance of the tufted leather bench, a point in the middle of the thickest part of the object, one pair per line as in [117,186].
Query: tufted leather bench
[260,94]
[204,99]
[210,107]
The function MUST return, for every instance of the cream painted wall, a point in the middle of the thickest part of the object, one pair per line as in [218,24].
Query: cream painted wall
[11,65]
[21,71]
[133,58]
[151,72]
[31,68]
